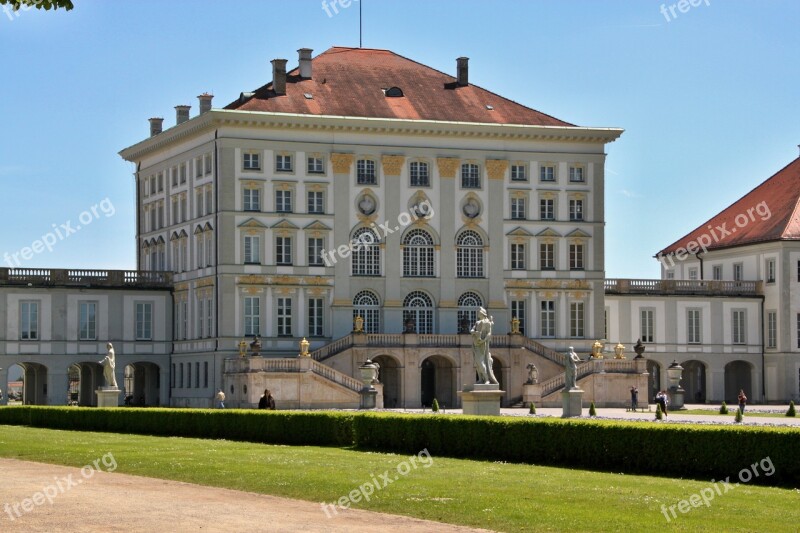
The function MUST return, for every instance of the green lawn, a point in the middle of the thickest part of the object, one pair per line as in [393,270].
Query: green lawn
[499,496]
[731,413]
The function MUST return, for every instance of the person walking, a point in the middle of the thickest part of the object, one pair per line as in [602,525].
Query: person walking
[742,400]
[663,401]
[267,401]
[220,399]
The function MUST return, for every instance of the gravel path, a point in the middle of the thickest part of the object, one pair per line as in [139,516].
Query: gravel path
[119,502]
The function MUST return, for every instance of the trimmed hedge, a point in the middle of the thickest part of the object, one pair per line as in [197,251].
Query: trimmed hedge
[274,427]
[684,450]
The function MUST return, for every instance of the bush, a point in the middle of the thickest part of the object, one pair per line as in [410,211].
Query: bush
[532,410]
[659,413]
[791,412]
[435,406]
[738,417]
[723,409]
[592,410]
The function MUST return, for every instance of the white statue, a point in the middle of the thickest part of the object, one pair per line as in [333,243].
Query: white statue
[109,362]
[571,370]
[481,336]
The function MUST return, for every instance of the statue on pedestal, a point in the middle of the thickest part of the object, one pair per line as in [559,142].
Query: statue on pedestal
[358,324]
[109,363]
[571,370]
[481,338]
[533,374]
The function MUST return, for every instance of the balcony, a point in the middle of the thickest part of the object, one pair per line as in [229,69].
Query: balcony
[671,287]
[61,277]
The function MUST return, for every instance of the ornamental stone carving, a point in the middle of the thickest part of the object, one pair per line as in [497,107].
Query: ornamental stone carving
[447,167]
[471,208]
[392,164]
[342,163]
[367,204]
[496,168]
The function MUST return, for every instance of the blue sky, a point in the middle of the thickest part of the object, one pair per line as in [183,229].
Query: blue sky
[708,99]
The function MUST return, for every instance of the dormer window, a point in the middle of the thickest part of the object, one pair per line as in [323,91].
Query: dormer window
[394,92]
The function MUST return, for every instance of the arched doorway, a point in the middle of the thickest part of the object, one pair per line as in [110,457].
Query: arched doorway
[12,389]
[438,378]
[654,381]
[84,379]
[142,382]
[694,381]
[738,376]
[31,386]
[390,377]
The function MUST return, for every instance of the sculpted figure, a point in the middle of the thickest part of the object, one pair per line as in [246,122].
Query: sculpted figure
[481,338]
[109,363]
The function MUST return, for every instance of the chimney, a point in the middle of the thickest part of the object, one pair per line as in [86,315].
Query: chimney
[182,113]
[279,76]
[305,63]
[205,102]
[462,67]
[156,126]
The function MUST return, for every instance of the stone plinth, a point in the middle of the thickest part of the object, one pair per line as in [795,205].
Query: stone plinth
[369,398]
[481,400]
[532,394]
[107,397]
[675,398]
[572,403]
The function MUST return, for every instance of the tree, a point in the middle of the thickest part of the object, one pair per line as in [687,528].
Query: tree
[25,5]
[791,411]
[532,409]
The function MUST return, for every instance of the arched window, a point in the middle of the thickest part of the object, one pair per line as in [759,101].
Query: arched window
[418,313]
[418,254]
[366,256]
[367,306]
[469,255]
[468,305]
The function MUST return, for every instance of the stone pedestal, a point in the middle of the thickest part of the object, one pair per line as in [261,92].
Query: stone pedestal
[107,397]
[675,398]
[481,400]
[572,403]
[531,394]
[369,398]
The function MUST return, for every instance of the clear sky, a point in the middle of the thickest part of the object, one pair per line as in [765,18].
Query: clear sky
[708,98]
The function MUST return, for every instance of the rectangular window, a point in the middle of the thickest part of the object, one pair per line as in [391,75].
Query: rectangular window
[798,330]
[283,250]
[252,249]
[518,311]
[209,201]
[198,167]
[518,257]
[252,200]
[207,164]
[160,182]
[201,318]
[772,329]
[188,375]
[182,170]
[770,271]
[315,317]
[87,327]
[548,318]
[29,321]
[365,172]
[798,271]
[184,209]
[670,274]
[575,210]
[180,376]
[283,163]
[519,173]
[738,271]
[647,325]
[315,251]
[174,173]
[518,209]
[197,375]
[470,176]
[605,323]
[209,317]
[576,174]
[547,209]
[693,274]
[144,321]
[316,202]
[205,374]
[315,165]
[283,201]
[184,320]
[252,316]
[547,173]
[576,257]
[418,174]
[200,241]
[547,256]
[693,327]
[198,203]
[576,320]
[251,161]
[739,324]
[172,376]
[716,272]
[284,317]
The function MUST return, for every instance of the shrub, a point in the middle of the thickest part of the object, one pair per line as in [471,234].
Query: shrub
[532,409]
[723,409]
[592,410]
[659,413]
[738,417]
[435,406]
[791,412]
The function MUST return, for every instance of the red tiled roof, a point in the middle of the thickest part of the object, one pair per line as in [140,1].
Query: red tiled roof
[769,212]
[349,82]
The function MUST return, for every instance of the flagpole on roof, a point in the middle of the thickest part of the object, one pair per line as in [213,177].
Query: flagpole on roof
[360,26]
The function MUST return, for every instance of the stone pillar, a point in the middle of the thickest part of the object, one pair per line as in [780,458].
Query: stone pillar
[57,388]
[572,403]
[480,399]
[531,394]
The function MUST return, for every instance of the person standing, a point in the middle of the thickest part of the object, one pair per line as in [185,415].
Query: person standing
[220,399]
[742,400]
[663,401]
[267,401]
[634,398]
